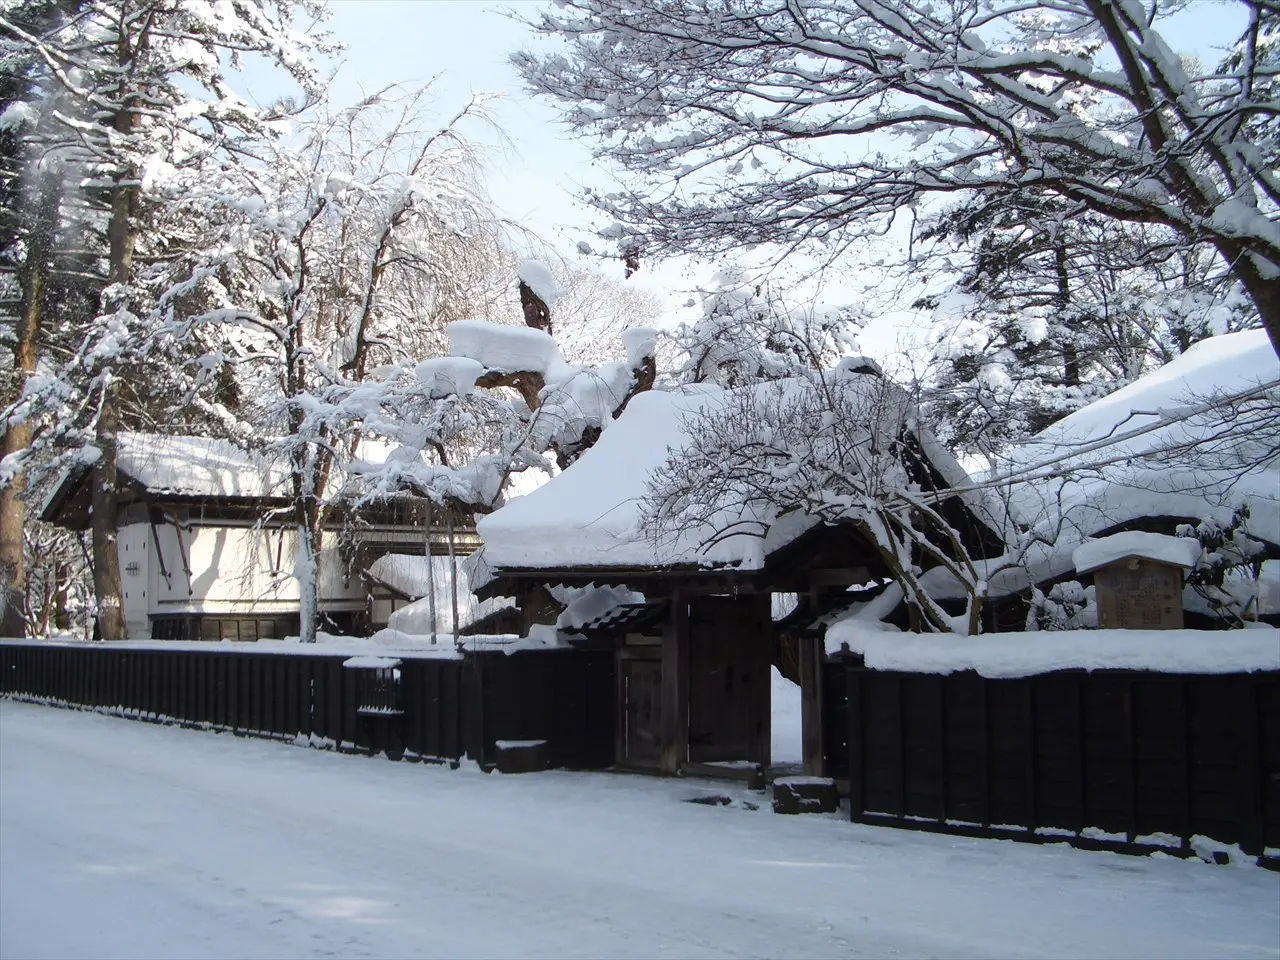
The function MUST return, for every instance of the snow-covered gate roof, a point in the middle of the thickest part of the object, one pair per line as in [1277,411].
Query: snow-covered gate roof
[589,518]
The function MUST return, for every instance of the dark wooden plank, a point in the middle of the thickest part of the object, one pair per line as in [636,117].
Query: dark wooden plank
[675,686]
[1027,691]
[435,725]
[222,691]
[1130,768]
[1250,788]
[856,733]
[451,697]
[923,776]
[894,728]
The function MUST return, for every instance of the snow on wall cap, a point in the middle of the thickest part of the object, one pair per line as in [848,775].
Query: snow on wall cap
[1002,655]
[1158,547]
[537,277]
[371,663]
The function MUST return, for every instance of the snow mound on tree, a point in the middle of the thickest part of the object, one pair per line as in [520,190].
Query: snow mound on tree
[449,376]
[639,342]
[537,277]
[583,397]
[505,348]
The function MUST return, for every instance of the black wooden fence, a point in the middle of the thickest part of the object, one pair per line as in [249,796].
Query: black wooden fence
[451,708]
[1109,758]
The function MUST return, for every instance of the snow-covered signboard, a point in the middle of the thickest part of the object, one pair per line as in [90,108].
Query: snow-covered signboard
[1137,578]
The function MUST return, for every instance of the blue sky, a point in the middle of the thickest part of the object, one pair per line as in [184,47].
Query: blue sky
[463,45]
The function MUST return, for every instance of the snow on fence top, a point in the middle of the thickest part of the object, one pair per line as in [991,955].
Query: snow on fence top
[1175,551]
[371,663]
[1026,654]
[1176,467]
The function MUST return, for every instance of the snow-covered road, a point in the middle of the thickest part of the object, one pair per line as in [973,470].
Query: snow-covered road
[126,839]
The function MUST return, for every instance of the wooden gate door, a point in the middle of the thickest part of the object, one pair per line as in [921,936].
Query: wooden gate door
[729,681]
[640,697]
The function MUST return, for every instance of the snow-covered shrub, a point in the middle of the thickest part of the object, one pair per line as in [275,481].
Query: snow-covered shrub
[1068,606]
[1226,578]
[748,333]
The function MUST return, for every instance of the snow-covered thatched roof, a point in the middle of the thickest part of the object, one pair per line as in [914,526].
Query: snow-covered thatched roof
[198,467]
[165,465]
[592,514]
[1152,450]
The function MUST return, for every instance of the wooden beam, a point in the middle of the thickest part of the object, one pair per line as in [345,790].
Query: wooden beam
[836,576]
[763,669]
[675,686]
[811,729]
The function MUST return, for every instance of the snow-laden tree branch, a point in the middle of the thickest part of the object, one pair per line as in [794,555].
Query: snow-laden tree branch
[814,123]
[843,448]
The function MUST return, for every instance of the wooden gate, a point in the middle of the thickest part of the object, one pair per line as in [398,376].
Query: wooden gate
[730,656]
[640,697]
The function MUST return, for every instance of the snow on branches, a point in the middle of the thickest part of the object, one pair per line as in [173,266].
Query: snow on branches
[840,448]
[748,333]
[814,123]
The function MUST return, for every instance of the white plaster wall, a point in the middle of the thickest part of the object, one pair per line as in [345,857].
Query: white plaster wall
[236,569]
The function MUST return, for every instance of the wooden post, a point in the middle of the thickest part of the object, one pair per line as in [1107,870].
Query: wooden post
[431,577]
[811,726]
[854,728]
[675,686]
[761,636]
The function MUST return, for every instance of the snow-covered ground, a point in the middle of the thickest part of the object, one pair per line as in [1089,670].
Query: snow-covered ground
[120,838]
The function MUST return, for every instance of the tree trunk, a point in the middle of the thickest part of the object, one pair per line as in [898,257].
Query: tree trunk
[307,568]
[1070,353]
[17,436]
[103,523]
[62,586]
[121,237]
[1262,286]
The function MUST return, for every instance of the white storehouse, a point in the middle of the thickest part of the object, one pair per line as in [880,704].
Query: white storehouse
[207,543]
